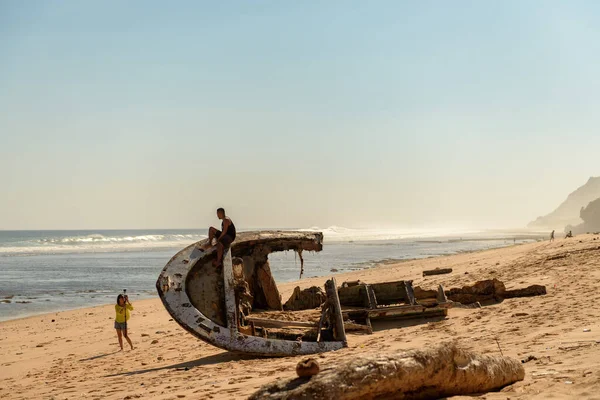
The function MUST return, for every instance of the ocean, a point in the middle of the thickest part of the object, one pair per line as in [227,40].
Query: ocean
[50,271]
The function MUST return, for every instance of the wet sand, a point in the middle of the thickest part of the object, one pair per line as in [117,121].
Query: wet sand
[75,356]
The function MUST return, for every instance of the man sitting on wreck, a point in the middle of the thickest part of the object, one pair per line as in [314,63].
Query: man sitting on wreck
[224,237]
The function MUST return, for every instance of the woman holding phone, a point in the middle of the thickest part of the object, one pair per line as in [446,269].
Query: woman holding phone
[122,309]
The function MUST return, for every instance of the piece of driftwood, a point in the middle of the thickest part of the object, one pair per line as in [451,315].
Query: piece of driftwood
[335,311]
[397,312]
[324,314]
[306,299]
[481,291]
[275,323]
[408,375]
[437,271]
[269,288]
[533,290]
[441,295]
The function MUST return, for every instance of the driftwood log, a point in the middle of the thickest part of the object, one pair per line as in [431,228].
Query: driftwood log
[437,271]
[407,375]
[487,290]
[529,291]
[482,291]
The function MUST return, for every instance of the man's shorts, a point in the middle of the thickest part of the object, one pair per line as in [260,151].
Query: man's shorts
[225,240]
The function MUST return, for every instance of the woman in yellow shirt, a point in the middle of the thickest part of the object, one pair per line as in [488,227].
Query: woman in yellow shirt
[122,309]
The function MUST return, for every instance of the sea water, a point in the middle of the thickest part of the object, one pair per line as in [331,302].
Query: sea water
[48,271]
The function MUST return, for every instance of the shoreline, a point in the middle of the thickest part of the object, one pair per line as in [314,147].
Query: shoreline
[381,264]
[82,308]
[359,266]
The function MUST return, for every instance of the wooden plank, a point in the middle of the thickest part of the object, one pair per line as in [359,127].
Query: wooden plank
[402,314]
[276,323]
[416,311]
[336,311]
[398,310]
[229,290]
[437,271]
[370,298]
[410,293]
[324,310]
[441,295]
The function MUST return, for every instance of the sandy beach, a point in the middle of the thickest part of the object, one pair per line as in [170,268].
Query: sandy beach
[73,354]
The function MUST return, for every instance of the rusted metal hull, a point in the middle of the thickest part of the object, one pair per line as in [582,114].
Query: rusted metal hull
[202,298]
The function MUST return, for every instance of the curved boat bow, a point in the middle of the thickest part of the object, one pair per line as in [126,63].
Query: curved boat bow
[206,301]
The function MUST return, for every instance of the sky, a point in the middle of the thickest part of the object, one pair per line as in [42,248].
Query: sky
[146,114]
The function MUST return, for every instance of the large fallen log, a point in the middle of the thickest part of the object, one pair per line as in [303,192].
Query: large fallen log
[417,374]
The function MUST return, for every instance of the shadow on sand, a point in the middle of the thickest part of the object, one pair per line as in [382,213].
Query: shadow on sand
[99,356]
[400,323]
[208,360]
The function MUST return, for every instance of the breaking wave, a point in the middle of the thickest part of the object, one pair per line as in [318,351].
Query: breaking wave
[98,238]
[341,234]
[63,243]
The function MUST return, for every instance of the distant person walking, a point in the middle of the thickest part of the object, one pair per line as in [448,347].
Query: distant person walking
[552,236]
[224,237]
[122,309]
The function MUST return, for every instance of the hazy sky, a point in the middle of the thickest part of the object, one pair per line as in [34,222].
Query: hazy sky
[151,114]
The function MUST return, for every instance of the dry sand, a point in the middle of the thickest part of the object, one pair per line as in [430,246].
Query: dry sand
[76,355]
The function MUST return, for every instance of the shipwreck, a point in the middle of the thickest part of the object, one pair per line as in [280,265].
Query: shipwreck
[213,303]
[237,306]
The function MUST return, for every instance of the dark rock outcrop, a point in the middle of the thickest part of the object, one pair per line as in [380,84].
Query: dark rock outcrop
[591,219]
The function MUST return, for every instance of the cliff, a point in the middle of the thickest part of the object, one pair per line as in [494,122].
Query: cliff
[568,212]
[591,219]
